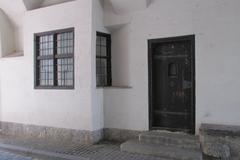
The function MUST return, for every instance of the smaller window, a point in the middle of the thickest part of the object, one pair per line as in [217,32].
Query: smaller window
[103,60]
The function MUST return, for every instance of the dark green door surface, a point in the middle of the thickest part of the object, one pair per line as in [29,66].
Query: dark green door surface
[172,84]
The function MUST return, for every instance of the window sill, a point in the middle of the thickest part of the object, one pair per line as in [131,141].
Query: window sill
[15,54]
[53,88]
[114,87]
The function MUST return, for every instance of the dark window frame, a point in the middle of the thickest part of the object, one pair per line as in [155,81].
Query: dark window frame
[54,57]
[107,58]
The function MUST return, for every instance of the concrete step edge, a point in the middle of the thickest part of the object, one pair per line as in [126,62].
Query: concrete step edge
[193,147]
[41,153]
[142,136]
[169,141]
[169,135]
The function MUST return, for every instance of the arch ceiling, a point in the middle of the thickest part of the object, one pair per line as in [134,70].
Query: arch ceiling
[15,9]
[125,6]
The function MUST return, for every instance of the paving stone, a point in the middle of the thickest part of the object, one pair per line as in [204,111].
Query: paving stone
[100,151]
[170,152]
[10,156]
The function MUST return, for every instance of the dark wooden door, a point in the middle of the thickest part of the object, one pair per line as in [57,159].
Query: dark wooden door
[171,84]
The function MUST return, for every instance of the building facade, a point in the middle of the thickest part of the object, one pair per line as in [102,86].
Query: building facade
[111,85]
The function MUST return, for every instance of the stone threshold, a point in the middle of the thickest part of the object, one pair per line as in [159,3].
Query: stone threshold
[39,153]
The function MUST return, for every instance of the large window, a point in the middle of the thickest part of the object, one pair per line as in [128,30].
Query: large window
[103,60]
[54,59]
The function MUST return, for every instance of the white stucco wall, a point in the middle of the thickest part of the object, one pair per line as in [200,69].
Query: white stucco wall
[120,56]
[14,10]
[22,103]
[216,26]
[124,6]
[97,93]
[217,61]
[7,44]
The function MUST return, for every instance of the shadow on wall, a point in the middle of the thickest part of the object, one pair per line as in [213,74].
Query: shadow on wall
[33,4]
[7,45]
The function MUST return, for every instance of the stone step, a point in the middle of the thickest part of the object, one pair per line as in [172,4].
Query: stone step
[169,152]
[217,151]
[220,130]
[170,139]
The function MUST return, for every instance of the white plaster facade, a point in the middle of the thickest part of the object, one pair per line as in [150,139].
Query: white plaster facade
[215,25]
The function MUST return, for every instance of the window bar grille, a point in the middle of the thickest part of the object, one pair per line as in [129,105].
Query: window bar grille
[55,68]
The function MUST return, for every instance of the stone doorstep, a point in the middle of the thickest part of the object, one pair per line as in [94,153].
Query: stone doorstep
[216,150]
[218,140]
[220,130]
[119,135]
[170,139]
[39,153]
[171,152]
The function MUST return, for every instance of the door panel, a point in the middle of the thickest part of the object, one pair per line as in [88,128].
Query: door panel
[172,84]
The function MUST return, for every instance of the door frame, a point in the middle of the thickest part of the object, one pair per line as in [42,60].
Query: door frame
[150,85]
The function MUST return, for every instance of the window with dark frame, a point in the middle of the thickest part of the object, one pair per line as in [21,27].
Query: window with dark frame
[54,59]
[103,60]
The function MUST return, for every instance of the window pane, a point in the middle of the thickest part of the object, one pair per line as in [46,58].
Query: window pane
[103,51]
[103,41]
[98,40]
[102,61]
[65,43]
[101,71]
[104,67]
[98,50]
[65,72]
[46,72]
[98,64]
[46,45]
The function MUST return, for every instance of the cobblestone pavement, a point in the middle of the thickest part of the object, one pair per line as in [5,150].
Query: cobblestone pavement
[4,155]
[8,155]
[101,151]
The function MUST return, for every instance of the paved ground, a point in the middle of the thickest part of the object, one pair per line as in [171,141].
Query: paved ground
[101,151]
[8,155]
[11,156]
